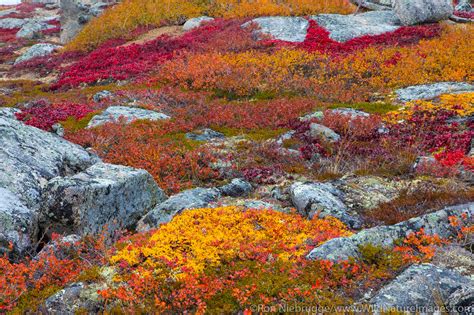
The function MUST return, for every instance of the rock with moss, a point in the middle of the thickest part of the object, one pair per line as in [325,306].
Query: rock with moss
[75,298]
[420,286]
[432,90]
[103,196]
[343,28]
[128,114]
[31,157]
[285,28]
[412,12]
[321,199]
[343,248]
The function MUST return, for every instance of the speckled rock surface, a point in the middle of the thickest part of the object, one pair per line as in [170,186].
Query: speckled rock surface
[38,50]
[325,199]
[285,28]
[346,27]
[433,223]
[17,223]
[412,12]
[188,199]
[320,131]
[114,113]
[31,157]
[422,285]
[104,195]
[430,91]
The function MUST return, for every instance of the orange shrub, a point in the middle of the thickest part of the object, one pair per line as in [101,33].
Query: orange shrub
[352,77]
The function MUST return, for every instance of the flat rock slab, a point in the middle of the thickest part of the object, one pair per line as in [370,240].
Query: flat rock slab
[38,50]
[433,90]
[343,248]
[129,114]
[30,157]
[285,28]
[188,199]
[205,135]
[424,285]
[104,195]
[346,27]
[374,4]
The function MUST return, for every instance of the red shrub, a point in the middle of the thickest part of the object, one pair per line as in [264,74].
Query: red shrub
[43,115]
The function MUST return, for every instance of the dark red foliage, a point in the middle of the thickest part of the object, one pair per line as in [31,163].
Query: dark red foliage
[45,65]
[432,132]
[8,35]
[466,15]
[43,115]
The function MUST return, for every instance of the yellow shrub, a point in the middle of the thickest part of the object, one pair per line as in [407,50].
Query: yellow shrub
[130,14]
[207,237]
[461,104]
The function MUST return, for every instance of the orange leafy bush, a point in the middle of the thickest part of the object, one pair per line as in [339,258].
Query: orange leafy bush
[352,77]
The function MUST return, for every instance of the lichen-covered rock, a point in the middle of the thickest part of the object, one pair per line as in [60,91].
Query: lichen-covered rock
[9,112]
[33,29]
[323,132]
[75,14]
[285,28]
[464,5]
[350,112]
[367,192]
[420,286]
[433,90]
[74,298]
[38,50]
[323,199]
[236,188]
[129,114]
[412,12]
[102,95]
[30,157]
[17,223]
[12,23]
[461,301]
[205,135]
[455,257]
[196,22]
[188,199]
[434,223]
[104,195]
[346,27]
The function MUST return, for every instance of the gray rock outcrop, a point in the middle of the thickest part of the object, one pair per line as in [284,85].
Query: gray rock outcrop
[346,27]
[205,135]
[324,199]
[196,22]
[236,188]
[432,90]
[434,223]
[285,28]
[114,113]
[412,12]
[420,286]
[323,132]
[17,223]
[38,50]
[104,195]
